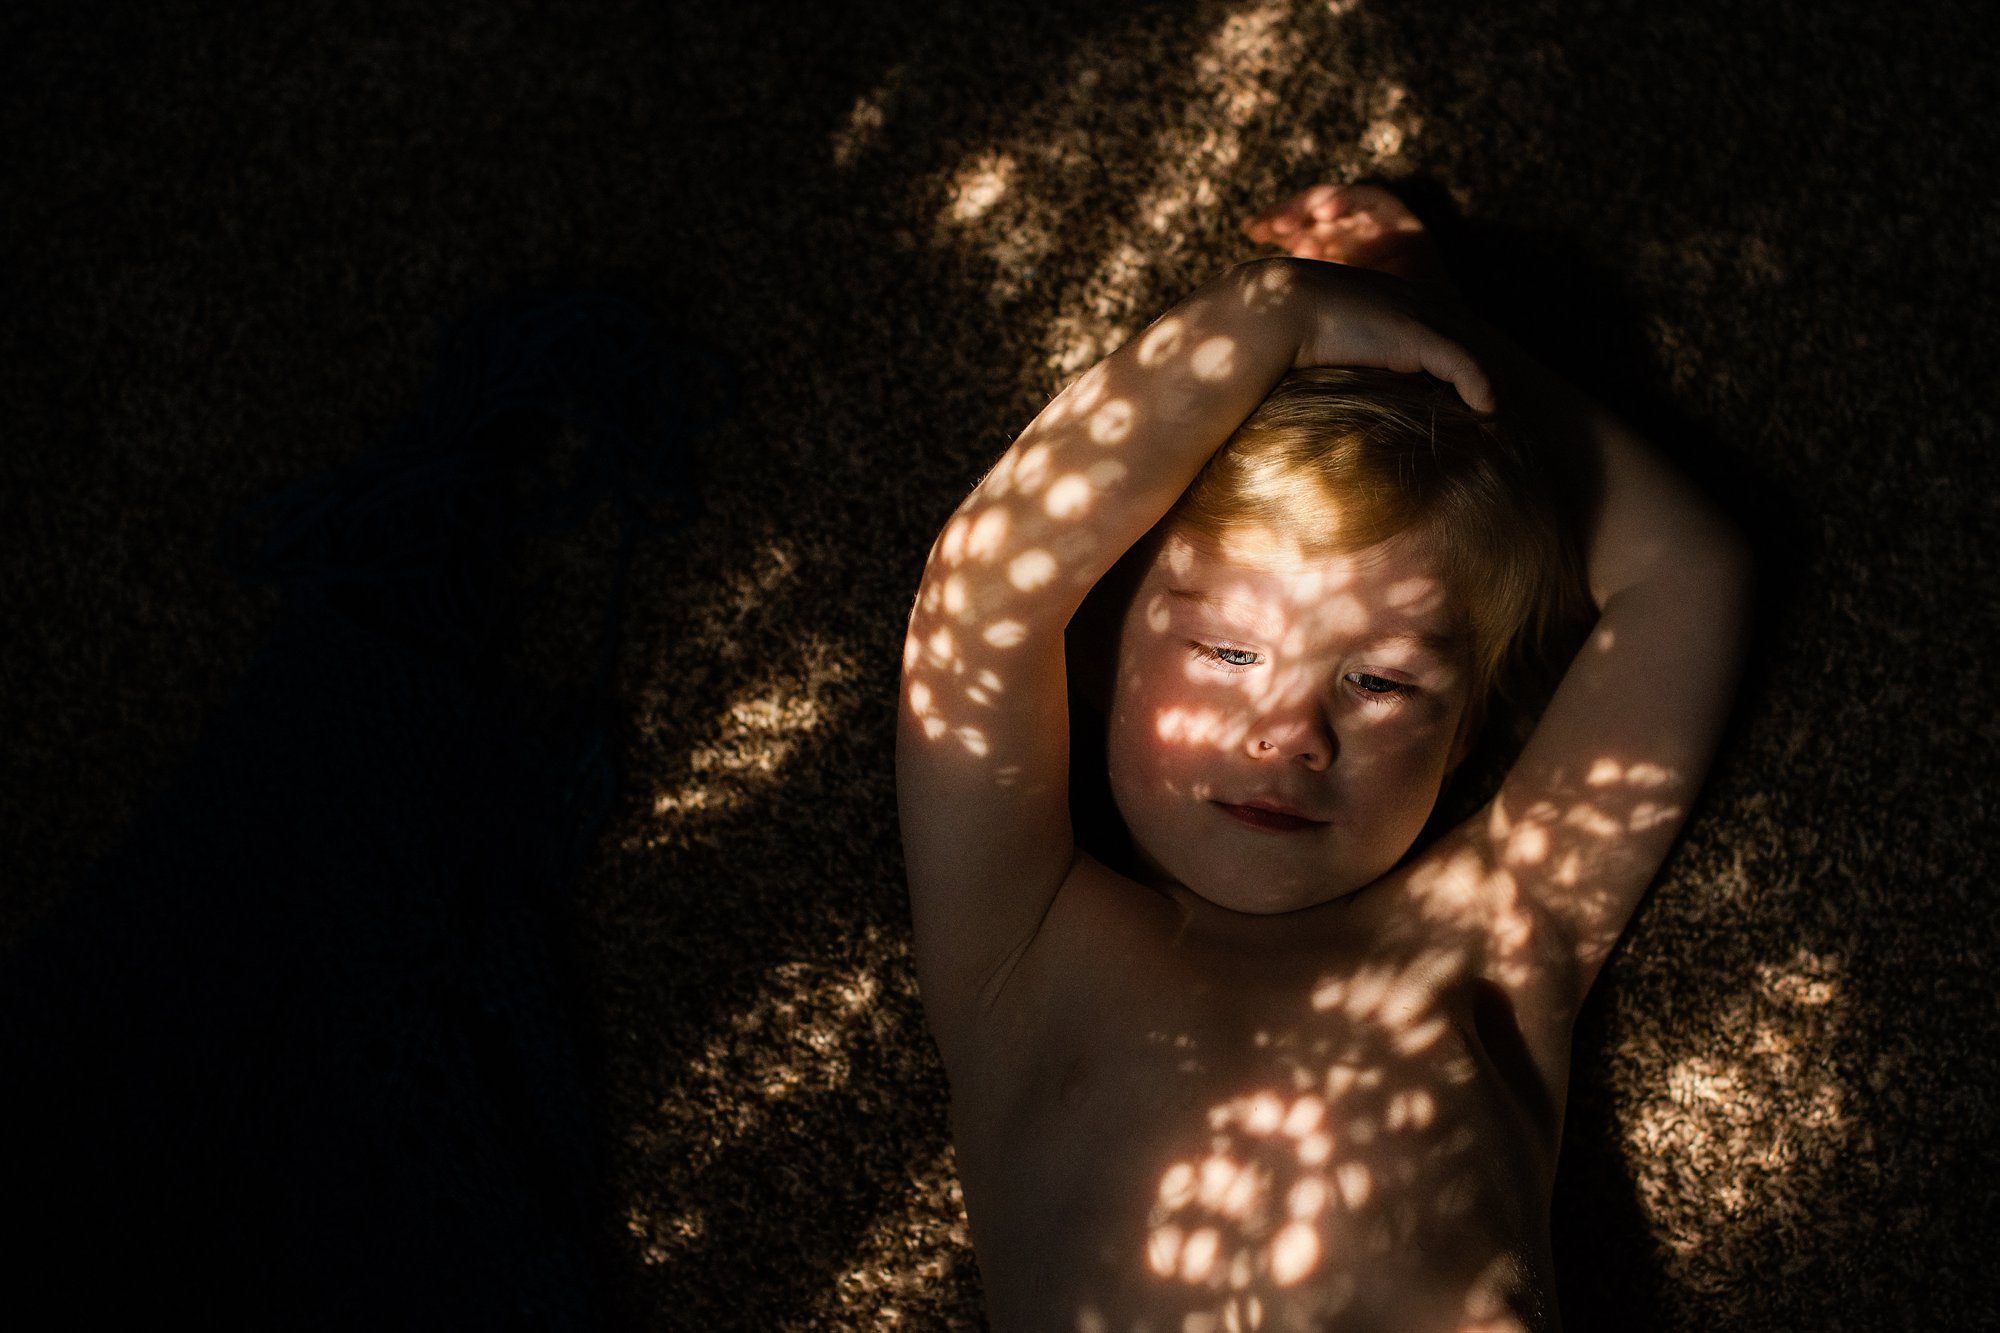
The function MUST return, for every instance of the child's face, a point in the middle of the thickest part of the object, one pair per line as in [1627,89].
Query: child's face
[1245,671]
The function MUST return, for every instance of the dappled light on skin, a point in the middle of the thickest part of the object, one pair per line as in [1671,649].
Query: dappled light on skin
[999,560]
[1364,1157]
[1346,1159]
[1250,671]
[1321,1192]
[1594,825]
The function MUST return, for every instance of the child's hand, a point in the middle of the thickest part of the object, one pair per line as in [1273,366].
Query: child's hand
[1363,225]
[1347,316]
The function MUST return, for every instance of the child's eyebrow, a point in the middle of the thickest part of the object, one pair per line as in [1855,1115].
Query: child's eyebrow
[1212,602]
[1445,645]
[1207,599]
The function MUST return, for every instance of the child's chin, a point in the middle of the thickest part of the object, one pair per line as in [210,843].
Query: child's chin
[1268,899]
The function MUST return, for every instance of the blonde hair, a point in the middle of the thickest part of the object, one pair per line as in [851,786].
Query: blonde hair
[1337,460]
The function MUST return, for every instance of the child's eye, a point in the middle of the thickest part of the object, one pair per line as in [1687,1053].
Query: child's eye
[1222,655]
[1380,688]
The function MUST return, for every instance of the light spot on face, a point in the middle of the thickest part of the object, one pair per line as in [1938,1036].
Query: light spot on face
[1294,1251]
[1217,1174]
[1305,1116]
[1163,1250]
[1198,1255]
[1528,845]
[1243,1193]
[1357,1186]
[1422,1036]
[1265,1113]
[1182,715]
[1406,594]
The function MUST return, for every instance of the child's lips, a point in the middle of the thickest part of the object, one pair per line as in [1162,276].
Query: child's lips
[1271,821]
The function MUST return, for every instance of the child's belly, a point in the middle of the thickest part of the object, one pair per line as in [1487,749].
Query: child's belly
[1199,1145]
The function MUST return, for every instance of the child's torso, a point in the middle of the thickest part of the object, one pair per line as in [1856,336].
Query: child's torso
[1336,1132]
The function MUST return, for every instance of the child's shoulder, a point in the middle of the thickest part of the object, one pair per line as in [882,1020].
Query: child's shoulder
[1446,935]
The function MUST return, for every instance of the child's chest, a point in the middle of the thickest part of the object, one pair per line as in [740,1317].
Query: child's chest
[1176,1125]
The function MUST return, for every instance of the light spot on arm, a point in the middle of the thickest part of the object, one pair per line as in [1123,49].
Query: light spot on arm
[1160,342]
[1031,570]
[1112,422]
[988,532]
[1069,496]
[1215,359]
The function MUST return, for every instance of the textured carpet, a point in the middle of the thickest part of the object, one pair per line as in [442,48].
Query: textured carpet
[1762,231]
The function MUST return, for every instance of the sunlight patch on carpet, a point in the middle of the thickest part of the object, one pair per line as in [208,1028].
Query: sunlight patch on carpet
[1744,1126]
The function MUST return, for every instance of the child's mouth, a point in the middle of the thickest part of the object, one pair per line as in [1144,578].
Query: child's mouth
[1270,820]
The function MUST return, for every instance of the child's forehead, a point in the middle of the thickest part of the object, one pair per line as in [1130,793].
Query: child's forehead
[1263,576]
[1267,557]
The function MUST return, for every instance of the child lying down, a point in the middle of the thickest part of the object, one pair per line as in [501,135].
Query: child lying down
[1255,1051]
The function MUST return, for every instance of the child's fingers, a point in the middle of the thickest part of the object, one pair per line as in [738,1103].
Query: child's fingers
[1323,202]
[1449,361]
[1299,211]
[1258,229]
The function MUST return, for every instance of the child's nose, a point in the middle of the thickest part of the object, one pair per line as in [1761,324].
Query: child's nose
[1307,742]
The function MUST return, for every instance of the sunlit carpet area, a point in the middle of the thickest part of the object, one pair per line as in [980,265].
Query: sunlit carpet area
[1763,233]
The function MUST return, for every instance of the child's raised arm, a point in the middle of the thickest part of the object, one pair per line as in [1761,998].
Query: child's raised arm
[982,748]
[1590,809]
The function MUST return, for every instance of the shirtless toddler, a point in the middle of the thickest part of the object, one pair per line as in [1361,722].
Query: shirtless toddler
[1263,1060]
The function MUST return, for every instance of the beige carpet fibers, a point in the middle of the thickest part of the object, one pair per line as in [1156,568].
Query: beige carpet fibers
[1763,230]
